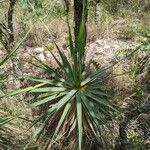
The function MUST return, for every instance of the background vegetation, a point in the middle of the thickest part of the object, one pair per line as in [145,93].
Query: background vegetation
[69,78]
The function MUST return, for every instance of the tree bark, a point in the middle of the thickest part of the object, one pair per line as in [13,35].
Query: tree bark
[6,31]
[7,37]
[10,21]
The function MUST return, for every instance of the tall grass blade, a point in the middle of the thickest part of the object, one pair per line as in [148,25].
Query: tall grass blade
[15,49]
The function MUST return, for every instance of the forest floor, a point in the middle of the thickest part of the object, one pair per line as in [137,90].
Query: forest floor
[130,88]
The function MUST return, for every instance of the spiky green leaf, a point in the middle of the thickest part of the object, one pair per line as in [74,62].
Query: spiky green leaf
[79,120]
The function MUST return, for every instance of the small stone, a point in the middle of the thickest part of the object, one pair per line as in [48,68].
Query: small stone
[41,57]
[116,42]
[116,46]
[104,42]
[107,46]
[99,42]
[1,54]
[39,50]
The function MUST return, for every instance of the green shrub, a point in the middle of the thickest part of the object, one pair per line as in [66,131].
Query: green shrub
[136,142]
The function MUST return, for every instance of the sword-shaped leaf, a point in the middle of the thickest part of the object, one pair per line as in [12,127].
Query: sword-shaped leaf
[72,49]
[15,49]
[79,120]
[47,99]
[101,101]
[28,89]
[49,70]
[66,64]
[63,117]
[48,89]
[35,135]
[36,79]
[4,121]
[66,98]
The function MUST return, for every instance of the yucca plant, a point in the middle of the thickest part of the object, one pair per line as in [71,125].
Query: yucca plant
[74,99]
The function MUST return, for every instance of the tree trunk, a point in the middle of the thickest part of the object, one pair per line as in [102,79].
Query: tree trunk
[6,30]
[79,6]
[10,21]
[15,61]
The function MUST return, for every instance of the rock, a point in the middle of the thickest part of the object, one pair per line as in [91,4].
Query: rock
[41,57]
[39,50]
[116,42]
[116,46]
[107,46]
[1,54]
